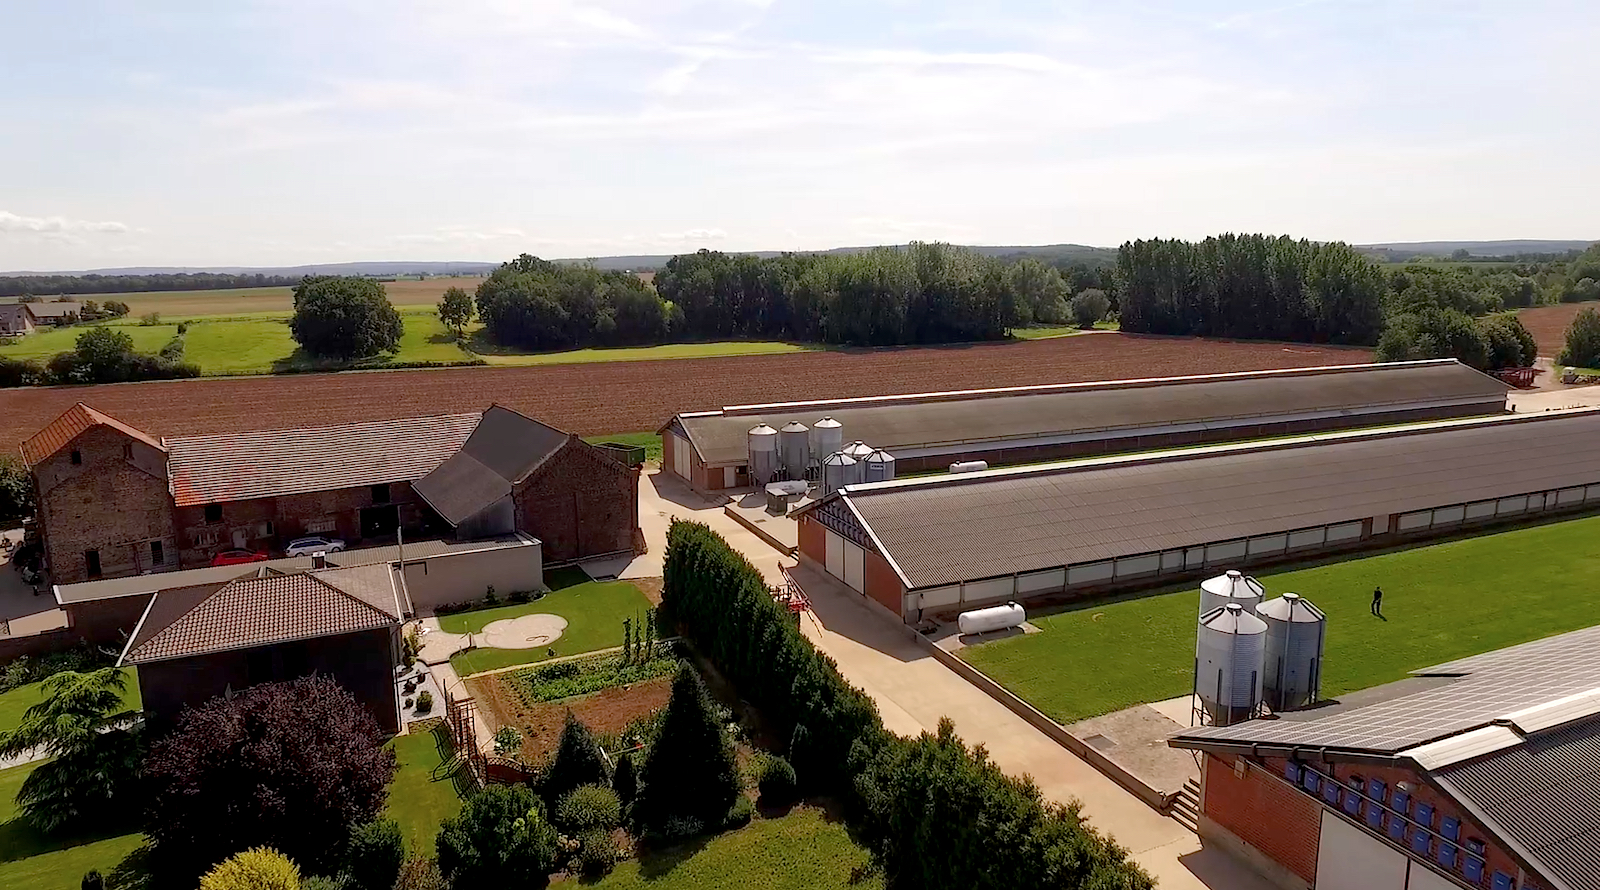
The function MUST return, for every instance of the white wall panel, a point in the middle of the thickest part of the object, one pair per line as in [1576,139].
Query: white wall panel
[1268,544]
[835,553]
[1038,582]
[1413,521]
[1423,878]
[1218,553]
[992,589]
[1511,505]
[1350,859]
[1311,537]
[1172,561]
[1569,496]
[940,597]
[855,566]
[1131,566]
[1089,573]
[1449,515]
[1480,510]
[1349,531]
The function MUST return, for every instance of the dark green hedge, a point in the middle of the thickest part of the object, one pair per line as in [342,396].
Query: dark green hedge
[934,813]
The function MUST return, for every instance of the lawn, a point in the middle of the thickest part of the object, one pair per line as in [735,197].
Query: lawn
[31,861]
[422,794]
[1046,332]
[715,349]
[797,852]
[1443,602]
[43,344]
[651,442]
[13,703]
[594,613]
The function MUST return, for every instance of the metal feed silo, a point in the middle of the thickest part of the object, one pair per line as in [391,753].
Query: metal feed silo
[827,436]
[794,449]
[762,453]
[858,450]
[879,466]
[838,470]
[1231,587]
[1229,653]
[1296,630]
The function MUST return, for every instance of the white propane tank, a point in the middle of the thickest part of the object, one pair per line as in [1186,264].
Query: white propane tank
[993,618]
[969,466]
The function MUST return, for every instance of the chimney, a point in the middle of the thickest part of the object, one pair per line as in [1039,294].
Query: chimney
[319,560]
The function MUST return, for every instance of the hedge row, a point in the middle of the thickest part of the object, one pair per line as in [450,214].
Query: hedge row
[934,813]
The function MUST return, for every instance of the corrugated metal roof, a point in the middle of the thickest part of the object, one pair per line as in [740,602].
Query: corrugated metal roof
[250,612]
[1544,796]
[138,585]
[934,419]
[943,530]
[502,451]
[74,422]
[271,463]
[1488,689]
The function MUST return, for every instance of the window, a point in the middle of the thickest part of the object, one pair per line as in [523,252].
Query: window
[1309,781]
[380,493]
[1352,796]
[127,451]
[213,512]
[91,558]
[158,553]
[1291,771]
[1424,816]
[1378,792]
[1502,881]
[77,456]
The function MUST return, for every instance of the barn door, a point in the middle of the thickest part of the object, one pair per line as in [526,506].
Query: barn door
[835,553]
[855,567]
[680,457]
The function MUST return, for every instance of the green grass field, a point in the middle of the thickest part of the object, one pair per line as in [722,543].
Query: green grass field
[32,861]
[1442,602]
[1047,332]
[43,344]
[651,442]
[594,613]
[422,794]
[15,702]
[800,851]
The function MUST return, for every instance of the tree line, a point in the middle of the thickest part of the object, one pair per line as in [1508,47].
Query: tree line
[46,285]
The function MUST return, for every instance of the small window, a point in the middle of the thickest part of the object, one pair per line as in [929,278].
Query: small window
[77,456]
[1424,816]
[91,559]
[380,493]
[1420,840]
[158,554]
[1310,781]
[213,512]
[127,450]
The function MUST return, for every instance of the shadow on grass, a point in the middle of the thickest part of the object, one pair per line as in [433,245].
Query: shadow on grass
[133,872]
[20,840]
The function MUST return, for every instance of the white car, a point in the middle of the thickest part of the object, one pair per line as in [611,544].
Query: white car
[315,544]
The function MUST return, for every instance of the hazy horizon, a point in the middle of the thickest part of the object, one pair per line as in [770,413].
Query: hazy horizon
[299,132]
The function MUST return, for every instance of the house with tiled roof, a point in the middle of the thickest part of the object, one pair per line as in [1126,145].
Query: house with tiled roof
[16,320]
[196,642]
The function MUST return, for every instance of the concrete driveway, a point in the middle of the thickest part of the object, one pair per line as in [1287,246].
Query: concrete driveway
[913,692]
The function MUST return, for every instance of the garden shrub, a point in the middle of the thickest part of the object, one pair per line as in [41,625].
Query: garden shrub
[325,882]
[740,814]
[597,852]
[578,762]
[587,808]
[375,855]
[93,880]
[424,702]
[626,780]
[501,838]
[778,785]
[419,873]
[259,868]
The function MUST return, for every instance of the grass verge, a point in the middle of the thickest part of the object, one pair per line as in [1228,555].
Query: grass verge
[32,861]
[1442,602]
[651,442]
[594,612]
[800,851]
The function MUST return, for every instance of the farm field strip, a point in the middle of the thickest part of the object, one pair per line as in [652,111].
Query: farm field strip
[616,397]
[1441,602]
[1548,324]
[243,300]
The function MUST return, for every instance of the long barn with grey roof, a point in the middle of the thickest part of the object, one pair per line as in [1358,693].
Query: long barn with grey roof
[946,543]
[1024,424]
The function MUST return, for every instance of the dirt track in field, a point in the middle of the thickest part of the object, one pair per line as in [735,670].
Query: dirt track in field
[1548,325]
[622,397]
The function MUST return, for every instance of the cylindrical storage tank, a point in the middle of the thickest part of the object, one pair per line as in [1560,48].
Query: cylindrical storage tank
[1231,587]
[969,466]
[827,436]
[1228,654]
[838,470]
[993,618]
[1296,630]
[858,450]
[762,453]
[880,466]
[794,449]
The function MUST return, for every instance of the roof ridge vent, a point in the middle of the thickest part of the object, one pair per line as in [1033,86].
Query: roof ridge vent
[1556,713]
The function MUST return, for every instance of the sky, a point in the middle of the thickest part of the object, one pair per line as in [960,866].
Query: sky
[307,131]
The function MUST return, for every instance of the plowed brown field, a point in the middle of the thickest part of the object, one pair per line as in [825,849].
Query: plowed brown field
[621,397]
[1548,325]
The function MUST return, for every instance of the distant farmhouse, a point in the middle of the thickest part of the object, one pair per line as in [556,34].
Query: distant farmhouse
[21,319]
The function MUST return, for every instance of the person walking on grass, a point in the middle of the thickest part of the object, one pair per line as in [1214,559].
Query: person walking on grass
[1377,601]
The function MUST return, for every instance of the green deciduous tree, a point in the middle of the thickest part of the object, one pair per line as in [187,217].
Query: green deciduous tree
[16,492]
[344,318]
[456,310]
[501,838]
[1510,344]
[1583,341]
[690,778]
[374,856]
[1089,307]
[80,725]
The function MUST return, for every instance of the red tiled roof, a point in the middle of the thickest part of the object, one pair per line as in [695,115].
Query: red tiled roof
[77,420]
[248,612]
[239,466]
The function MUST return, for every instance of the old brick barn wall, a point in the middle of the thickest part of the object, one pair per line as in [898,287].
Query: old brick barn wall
[580,503]
[271,523]
[114,502]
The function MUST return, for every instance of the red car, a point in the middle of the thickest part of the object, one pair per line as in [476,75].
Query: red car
[237,557]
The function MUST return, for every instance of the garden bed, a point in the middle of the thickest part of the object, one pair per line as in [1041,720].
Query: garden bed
[607,712]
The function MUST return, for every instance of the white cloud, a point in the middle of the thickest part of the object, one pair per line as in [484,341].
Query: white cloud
[11,223]
[694,235]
